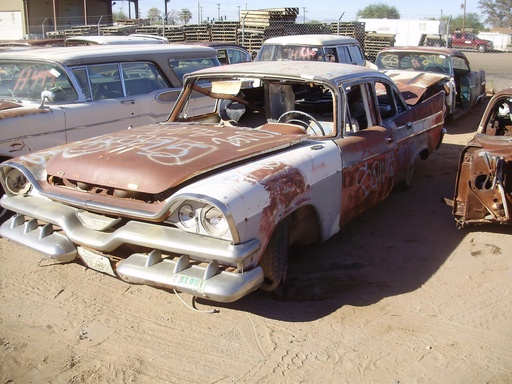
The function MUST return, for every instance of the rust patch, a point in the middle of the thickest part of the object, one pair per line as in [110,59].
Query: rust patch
[155,158]
[8,105]
[19,111]
[283,183]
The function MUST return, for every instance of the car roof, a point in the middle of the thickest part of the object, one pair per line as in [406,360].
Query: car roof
[81,55]
[312,39]
[216,44]
[312,70]
[426,49]
[114,40]
[33,43]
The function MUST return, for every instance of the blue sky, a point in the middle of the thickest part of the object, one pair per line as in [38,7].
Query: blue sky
[322,10]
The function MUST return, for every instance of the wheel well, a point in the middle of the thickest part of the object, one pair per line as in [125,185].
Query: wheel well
[424,154]
[304,227]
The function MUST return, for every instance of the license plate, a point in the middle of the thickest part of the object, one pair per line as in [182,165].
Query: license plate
[96,261]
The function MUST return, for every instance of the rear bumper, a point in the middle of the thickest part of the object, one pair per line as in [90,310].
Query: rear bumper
[197,271]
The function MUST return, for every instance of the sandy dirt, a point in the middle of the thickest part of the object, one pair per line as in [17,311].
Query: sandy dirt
[400,295]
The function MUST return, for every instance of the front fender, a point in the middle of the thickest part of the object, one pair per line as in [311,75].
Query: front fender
[258,195]
[24,130]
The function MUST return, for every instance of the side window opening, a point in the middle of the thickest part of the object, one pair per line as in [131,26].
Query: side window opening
[184,66]
[142,78]
[388,101]
[331,55]
[83,81]
[222,56]
[343,55]
[356,108]
[355,53]
[105,81]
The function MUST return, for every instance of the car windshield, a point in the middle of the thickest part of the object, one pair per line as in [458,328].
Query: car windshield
[414,61]
[291,52]
[27,80]
[255,102]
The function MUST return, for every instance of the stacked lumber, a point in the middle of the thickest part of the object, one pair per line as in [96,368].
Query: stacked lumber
[118,30]
[255,23]
[174,33]
[265,17]
[225,31]
[196,32]
[375,42]
[353,29]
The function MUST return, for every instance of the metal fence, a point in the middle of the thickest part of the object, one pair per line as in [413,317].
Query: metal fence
[251,31]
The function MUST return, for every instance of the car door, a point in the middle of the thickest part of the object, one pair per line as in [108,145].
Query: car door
[368,151]
[147,89]
[106,108]
[417,131]
[470,82]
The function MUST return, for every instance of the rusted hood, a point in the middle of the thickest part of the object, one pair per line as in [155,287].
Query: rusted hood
[157,157]
[413,84]
[9,109]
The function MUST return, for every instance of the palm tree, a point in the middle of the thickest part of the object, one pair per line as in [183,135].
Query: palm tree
[185,15]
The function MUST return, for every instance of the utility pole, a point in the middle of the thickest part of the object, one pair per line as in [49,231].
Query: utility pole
[304,11]
[464,16]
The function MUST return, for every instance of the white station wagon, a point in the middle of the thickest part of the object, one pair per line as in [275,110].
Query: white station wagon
[53,96]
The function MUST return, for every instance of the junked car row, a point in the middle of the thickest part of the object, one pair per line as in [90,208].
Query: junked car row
[251,160]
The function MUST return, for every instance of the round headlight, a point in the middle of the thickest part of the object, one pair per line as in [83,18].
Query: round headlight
[16,182]
[187,216]
[214,221]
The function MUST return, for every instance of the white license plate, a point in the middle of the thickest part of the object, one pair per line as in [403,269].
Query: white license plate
[96,261]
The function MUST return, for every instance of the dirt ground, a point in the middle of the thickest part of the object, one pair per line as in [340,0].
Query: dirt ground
[399,296]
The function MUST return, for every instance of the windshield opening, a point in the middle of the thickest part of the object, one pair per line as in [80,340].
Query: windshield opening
[292,106]
[27,80]
[291,52]
[414,61]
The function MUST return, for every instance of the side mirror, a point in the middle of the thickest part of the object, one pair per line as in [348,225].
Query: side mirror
[46,96]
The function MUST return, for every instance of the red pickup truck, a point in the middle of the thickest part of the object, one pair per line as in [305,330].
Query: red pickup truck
[465,41]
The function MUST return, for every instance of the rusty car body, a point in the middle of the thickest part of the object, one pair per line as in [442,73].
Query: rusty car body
[483,189]
[209,201]
[52,96]
[427,70]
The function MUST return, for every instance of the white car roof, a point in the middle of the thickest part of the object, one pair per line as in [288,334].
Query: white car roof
[313,70]
[317,39]
[99,40]
[82,55]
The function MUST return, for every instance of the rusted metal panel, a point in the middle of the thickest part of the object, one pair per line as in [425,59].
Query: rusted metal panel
[483,192]
[414,85]
[155,158]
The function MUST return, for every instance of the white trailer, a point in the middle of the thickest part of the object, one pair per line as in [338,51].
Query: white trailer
[407,32]
[501,41]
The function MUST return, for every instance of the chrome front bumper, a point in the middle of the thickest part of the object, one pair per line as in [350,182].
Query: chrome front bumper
[32,227]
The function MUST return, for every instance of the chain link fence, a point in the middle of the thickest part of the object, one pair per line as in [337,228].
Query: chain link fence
[253,29]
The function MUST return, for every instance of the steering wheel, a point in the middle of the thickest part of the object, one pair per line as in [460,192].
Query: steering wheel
[65,93]
[304,124]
